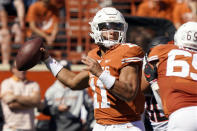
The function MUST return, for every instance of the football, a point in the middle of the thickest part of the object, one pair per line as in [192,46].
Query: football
[29,54]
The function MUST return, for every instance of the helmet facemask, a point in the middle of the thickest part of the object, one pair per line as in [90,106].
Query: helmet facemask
[107,28]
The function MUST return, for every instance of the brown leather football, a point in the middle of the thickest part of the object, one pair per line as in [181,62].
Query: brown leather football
[29,54]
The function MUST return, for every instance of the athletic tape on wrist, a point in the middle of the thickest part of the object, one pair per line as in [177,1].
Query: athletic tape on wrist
[107,79]
[154,85]
[53,66]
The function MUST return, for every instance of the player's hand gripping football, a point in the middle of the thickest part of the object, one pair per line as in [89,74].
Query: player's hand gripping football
[29,54]
[150,71]
[45,53]
[92,65]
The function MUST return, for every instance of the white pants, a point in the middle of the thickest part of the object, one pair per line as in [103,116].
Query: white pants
[184,119]
[133,126]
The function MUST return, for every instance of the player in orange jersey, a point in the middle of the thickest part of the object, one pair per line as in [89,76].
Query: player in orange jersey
[154,117]
[43,19]
[176,68]
[113,71]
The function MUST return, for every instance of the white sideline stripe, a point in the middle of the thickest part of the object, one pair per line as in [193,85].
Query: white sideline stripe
[42,67]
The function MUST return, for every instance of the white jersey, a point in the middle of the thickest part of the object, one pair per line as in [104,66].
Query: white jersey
[58,94]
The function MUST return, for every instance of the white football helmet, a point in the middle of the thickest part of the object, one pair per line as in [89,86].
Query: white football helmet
[186,35]
[108,18]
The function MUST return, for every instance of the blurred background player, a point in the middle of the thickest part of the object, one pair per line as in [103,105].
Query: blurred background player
[156,9]
[154,116]
[176,77]
[64,106]
[113,71]
[184,11]
[19,98]
[43,18]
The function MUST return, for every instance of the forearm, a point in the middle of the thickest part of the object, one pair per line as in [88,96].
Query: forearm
[17,106]
[123,90]
[55,30]
[37,30]
[126,86]
[68,78]
[72,80]
[28,101]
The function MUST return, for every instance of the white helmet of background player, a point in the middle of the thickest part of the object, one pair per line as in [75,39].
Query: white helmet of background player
[111,19]
[186,35]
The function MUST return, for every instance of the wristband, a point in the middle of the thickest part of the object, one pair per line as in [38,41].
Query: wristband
[154,85]
[53,65]
[107,79]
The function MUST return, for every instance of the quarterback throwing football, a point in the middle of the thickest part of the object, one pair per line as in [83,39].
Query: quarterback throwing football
[113,72]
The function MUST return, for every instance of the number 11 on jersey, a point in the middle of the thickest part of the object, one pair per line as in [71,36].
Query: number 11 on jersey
[104,103]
